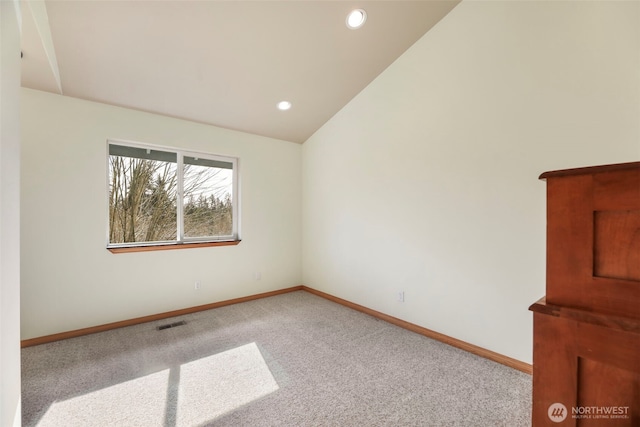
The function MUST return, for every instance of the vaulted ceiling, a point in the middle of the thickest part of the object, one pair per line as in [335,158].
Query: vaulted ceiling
[225,63]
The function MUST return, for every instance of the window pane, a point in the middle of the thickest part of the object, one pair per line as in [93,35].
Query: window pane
[207,201]
[142,195]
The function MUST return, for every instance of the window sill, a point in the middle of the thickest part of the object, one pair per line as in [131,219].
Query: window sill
[171,246]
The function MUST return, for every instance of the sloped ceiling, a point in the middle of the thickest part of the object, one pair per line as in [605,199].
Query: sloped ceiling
[225,63]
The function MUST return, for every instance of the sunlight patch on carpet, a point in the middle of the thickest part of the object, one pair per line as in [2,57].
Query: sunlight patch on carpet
[218,384]
[206,389]
[122,404]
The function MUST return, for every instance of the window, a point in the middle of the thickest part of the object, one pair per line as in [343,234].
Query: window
[162,196]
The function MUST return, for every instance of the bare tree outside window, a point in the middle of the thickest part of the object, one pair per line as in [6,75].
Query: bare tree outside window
[143,196]
[207,199]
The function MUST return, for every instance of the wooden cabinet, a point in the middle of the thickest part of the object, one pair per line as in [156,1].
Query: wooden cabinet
[586,352]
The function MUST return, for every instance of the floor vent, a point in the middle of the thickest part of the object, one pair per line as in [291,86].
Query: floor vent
[171,325]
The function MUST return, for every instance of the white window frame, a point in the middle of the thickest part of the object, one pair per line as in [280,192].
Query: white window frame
[180,154]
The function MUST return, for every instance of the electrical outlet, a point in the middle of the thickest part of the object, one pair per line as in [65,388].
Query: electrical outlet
[197,285]
[257,275]
[400,296]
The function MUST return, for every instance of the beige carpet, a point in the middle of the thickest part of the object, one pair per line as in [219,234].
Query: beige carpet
[289,360]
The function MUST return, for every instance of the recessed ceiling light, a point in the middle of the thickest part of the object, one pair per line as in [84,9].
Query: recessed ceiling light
[284,105]
[356,18]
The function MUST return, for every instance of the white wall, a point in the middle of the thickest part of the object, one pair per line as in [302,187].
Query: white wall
[69,279]
[9,214]
[427,181]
